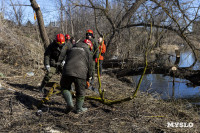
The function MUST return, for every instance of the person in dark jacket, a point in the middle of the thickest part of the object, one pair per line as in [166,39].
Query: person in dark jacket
[54,58]
[95,50]
[68,40]
[78,69]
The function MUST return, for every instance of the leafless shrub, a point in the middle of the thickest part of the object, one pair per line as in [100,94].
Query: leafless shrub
[17,48]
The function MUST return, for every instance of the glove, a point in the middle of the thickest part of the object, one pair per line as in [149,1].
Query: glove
[63,63]
[48,68]
[96,59]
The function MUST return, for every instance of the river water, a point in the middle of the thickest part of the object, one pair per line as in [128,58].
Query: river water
[163,86]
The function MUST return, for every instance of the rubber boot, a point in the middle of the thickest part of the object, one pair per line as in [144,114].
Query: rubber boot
[42,86]
[68,98]
[79,104]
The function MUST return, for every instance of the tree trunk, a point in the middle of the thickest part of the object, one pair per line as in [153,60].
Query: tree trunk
[16,15]
[61,17]
[41,25]
[65,23]
[71,21]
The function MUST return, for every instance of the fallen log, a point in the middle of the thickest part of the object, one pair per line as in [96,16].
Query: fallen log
[120,63]
[183,73]
[135,66]
[160,59]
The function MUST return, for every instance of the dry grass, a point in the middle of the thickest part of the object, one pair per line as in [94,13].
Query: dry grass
[18,113]
[16,48]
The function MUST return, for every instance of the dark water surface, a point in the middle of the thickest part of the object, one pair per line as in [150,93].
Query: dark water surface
[163,85]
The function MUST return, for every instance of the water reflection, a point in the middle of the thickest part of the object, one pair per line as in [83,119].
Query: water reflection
[163,85]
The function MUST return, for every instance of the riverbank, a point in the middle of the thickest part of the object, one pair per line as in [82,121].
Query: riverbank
[145,113]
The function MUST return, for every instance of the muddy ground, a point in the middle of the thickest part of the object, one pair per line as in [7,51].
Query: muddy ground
[145,113]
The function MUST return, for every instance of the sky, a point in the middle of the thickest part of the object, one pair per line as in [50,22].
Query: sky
[49,9]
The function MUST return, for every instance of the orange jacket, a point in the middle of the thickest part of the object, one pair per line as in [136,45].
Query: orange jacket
[103,50]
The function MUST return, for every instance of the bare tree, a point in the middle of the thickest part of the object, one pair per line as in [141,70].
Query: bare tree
[116,23]
[19,12]
[2,8]
[180,21]
[65,13]
[61,16]
[41,25]
[173,16]
[71,20]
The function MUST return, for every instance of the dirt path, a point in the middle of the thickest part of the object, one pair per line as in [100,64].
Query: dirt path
[143,114]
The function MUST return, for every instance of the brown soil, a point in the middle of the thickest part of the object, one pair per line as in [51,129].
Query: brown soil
[142,114]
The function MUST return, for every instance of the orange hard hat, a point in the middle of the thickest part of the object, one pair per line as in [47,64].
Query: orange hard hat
[89,31]
[89,43]
[67,36]
[60,39]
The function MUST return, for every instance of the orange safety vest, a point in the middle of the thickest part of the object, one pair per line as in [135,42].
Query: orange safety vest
[103,50]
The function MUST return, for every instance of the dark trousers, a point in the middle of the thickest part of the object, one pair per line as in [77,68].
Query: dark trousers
[48,75]
[80,84]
